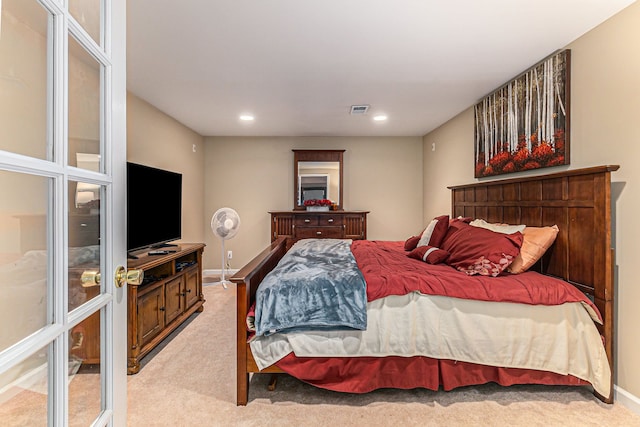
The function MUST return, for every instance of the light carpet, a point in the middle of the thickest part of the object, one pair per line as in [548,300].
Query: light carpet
[190,380]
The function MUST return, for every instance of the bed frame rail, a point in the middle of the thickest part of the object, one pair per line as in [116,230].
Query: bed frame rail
[247,281]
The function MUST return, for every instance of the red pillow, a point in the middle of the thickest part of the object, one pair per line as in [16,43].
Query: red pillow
[475,250]
[411,243]
[435,232]
[429,254]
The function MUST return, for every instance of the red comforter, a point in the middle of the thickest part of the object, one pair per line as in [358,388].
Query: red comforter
[389,271]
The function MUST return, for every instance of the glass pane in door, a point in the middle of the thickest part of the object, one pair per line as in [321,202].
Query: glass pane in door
[87,13]
[84,338]
[24,392]
[84,372]
[84,106]
[23,78]
[24,258]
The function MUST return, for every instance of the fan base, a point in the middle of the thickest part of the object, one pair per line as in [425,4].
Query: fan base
[224,283]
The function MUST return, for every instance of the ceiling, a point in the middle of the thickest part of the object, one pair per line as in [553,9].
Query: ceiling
[298,65]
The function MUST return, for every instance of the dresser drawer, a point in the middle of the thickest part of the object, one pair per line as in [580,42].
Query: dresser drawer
[330,220]
[319,232]
[302,220]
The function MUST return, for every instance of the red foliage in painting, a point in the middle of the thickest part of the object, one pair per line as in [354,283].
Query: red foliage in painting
[542,153]
[499,160]
[532,164]
[556,161]
[522,140]
[509,167]
[529,154]
[521,156]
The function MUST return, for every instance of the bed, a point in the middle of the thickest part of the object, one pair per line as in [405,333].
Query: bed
[579,262]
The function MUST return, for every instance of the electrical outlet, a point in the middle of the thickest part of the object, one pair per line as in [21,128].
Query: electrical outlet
[229,254]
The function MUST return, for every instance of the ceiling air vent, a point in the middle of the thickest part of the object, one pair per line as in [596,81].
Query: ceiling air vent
[359,109]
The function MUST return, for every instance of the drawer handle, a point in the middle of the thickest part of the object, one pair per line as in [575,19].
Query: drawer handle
[330,220]
[307,220]
[319,233]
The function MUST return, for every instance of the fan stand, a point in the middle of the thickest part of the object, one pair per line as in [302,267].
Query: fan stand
[223,281]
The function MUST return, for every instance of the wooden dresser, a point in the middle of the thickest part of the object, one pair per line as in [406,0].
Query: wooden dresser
[296,225]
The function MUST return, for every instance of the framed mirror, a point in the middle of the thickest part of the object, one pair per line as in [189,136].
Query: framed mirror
[317,174]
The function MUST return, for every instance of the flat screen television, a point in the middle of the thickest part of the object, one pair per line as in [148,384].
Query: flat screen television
[154,207]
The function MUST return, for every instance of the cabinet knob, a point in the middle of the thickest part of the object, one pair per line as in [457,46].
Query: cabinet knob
[161,309]
[307,220]
[318,233]
[330,220]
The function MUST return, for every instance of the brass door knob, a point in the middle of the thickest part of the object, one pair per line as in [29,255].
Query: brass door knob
[132,277]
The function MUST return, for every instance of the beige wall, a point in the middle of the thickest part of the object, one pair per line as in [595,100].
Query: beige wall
[255,176]
[157,140]
[605,129]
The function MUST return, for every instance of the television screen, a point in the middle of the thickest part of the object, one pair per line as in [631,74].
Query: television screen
[154,206]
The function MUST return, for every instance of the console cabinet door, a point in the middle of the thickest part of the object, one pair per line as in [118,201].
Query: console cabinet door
[150,314]
[192,294]
[173,298]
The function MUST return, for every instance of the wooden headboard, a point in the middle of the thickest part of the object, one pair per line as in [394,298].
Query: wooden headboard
[579,203]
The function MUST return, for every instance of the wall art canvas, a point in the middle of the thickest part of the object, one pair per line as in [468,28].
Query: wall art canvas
[524,124]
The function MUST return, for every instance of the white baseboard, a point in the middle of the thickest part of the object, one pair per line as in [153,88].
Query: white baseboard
[626,399]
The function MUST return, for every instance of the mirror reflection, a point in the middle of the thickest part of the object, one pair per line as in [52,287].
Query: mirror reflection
[318,180]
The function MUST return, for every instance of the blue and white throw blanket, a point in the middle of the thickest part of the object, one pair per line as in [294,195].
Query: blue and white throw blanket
[316,285]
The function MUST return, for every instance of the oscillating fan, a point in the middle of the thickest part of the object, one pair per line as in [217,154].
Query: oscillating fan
[224,224]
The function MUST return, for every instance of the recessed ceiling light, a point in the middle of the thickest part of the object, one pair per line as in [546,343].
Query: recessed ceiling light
[247,117]
[380,118]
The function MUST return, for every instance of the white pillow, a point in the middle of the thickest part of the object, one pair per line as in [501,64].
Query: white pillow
[498,228]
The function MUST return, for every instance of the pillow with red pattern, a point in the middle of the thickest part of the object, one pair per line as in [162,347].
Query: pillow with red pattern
[411,243]
[475,250]
[435,232]
[429,254]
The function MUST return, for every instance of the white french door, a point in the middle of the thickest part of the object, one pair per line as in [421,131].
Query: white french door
[62,212]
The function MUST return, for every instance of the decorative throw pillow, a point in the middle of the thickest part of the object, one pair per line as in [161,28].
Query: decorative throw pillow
[435,232]
[536,242]
[411,243]
[476,250]
[429,254]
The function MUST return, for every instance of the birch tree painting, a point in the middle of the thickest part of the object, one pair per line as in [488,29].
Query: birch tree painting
[525,124]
